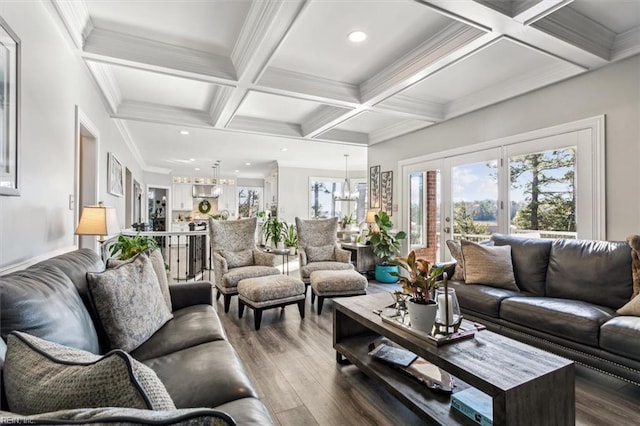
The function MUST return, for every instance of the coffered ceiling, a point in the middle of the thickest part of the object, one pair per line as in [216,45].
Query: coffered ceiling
[271,73]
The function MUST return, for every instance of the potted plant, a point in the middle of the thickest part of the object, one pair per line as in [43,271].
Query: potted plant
[290,238]
[126,247]
[273,230]
[419,280]
[348,221]
[386,246]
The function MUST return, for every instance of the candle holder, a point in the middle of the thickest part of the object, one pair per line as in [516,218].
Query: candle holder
[448,315]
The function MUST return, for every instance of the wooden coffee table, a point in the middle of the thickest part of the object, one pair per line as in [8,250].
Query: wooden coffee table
[529,386]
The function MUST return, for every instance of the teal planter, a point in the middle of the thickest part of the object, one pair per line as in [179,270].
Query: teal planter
[383,275]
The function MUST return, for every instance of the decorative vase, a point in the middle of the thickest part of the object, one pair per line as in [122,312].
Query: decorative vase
[448,316]
[422,315]
[383,274]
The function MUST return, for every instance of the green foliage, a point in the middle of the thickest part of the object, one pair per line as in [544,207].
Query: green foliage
[273,230]
[221,215]
[385,245]
[348,219]
[421,277]
[127,247]
[464,220]
[316,207]
[290,235]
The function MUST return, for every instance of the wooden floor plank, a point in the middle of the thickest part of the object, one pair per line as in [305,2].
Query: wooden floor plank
[292,364]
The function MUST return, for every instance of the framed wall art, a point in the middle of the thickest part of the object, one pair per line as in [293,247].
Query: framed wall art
[374,187]
[114,176]
[386,192]
[9,110]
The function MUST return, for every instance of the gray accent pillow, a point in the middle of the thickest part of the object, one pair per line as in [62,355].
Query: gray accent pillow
[42,376]
[129,302]
[321,253]
[157,261]
[236,259]
[488,265]
[456,253]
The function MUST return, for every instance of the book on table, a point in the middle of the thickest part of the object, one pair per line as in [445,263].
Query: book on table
[393,354]
[476,405]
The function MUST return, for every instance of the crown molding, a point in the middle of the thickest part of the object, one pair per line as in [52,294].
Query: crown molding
[321,117]
[409,107]
[396,130]
[75,16]
[626,44]
[158,170]
[317,88]
[155,113]
[136,52]
[444,48]
[572,27]
[339,135]
[128,139]
[260,125]
[108,84]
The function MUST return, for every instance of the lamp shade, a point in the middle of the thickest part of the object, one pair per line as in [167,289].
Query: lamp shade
[371,216]
[98,220]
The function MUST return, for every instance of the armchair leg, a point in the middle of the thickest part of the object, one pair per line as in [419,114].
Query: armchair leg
[218,295]
[227,302]
[301,308]
[257,318]
[320,302]
[240,308]
[313,297]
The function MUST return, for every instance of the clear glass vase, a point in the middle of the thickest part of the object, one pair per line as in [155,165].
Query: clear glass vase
[448,315]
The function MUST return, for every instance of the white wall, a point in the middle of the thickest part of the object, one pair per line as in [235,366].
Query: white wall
[54,80]
[293,187]
[613,91]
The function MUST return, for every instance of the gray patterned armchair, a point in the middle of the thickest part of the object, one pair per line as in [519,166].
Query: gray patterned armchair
[236,257]
[318,249]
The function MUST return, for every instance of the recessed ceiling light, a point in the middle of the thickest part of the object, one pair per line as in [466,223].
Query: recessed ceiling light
[184,132]
[192,159]
[247,164]
[357,36]
[237,171]
[284,149]
[197,169]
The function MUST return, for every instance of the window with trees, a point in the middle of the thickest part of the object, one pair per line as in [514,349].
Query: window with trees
[249,201]
[322,203]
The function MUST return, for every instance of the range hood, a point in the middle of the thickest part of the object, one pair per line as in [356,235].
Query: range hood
[204,191]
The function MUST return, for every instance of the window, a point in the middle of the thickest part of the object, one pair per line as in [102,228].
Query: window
[249,201]
[322,204]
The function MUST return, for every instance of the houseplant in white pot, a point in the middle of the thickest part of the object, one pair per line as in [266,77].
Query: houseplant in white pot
[386,246]
[419,278]
[290,238]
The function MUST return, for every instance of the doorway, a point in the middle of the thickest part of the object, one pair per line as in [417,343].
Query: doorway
[87,172]
[158,207]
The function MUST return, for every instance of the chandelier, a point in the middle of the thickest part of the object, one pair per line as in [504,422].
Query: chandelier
[217,189]
[346,194]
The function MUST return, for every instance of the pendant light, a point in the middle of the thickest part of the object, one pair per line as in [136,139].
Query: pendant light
[217,189]
[346,194]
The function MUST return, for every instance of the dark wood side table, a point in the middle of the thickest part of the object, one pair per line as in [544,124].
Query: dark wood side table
[362,257]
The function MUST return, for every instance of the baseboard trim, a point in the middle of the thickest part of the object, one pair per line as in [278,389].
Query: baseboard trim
[32,261]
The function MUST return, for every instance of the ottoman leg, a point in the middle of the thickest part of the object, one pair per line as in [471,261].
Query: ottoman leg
[313,296]
[240,308]
[320,302]
[301,308]
[227,302]
[218,295]
[257,318]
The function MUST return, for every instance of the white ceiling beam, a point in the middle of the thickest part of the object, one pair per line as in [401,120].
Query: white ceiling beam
[219,100]
[109,88]
[135,52]
[339,135]
[397,129]
[155,113]
[626,44]
[320,117]
[75,16]
[529,11]
[409,107]
[260,125]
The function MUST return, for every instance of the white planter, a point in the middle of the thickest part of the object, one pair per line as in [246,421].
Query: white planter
[422,317]
[292,251]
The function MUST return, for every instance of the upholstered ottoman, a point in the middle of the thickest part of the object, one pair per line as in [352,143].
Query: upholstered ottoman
[336,284]
[272,291]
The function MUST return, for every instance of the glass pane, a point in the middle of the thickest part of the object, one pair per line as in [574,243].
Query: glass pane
[543,193]
[416,195]
[424,226]
[474,191]
[249,200]
[322,203]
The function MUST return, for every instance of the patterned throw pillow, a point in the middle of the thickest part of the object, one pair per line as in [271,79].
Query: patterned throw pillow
[157,261]
[321,254]
[456,253]
[236,259]
[488,265]
[129,302]
[42,376]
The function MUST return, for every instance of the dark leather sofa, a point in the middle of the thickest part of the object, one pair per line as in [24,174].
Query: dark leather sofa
[190,354]
[569,293]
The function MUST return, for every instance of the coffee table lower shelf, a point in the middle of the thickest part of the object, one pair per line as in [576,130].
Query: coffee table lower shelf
[427,404]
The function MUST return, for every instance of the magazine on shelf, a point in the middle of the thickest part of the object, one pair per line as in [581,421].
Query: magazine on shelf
[431,375]
[393,354]
[476,405]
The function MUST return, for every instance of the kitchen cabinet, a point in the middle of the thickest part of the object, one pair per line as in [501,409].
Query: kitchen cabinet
[182,198]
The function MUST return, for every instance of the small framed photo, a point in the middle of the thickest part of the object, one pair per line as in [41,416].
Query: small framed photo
[9,110]
[115,185]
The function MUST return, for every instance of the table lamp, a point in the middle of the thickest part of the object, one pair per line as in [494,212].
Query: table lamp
[370,219]
[98,220]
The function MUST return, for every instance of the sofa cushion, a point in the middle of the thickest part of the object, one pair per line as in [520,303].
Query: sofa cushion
[307,269]
[44,302]
[326,253]
[189,327]
[530,258]
[570,319]
[236,259]
[590,270]
[214,371]
[42,376]
[125,416]
[129,302]
[234,276]
[488,265]
[621,335]
[247,412]
[481,298]
[456,254]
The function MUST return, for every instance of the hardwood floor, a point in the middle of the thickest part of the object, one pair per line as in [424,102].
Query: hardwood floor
[292,364]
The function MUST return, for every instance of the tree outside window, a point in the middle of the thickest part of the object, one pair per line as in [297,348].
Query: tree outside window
[249,201]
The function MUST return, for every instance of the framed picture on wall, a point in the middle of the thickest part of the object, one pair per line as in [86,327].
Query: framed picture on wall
[386,192]
[374,187]
[9,110]
[115,185]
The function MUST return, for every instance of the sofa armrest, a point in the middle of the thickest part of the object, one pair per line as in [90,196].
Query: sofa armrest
[219,268]
[189,294]
[264,259]
[343,255]
[302,256]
